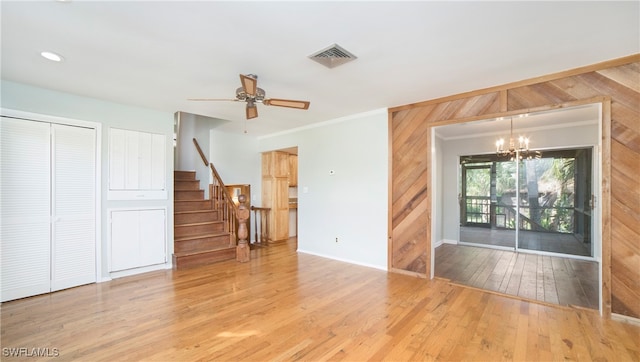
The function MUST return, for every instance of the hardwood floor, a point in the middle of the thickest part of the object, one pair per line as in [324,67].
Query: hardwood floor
[288,306]
[549,279]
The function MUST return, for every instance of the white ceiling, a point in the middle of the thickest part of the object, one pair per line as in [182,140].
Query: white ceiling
[158,54]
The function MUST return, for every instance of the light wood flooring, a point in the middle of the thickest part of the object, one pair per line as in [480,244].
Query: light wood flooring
[284,305]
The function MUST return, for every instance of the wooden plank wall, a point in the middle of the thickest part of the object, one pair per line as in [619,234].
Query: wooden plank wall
[615,83]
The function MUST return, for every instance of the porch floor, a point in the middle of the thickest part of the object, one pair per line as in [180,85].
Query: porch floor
[545,278]
[532,240]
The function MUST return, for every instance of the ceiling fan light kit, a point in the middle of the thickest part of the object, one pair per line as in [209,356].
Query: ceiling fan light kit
[251,94]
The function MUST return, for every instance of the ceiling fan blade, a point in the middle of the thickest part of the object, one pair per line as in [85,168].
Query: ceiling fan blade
[286,103]
[249,84]
[252,110]
[212,99]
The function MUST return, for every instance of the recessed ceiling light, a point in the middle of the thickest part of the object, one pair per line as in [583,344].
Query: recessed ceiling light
[52,56]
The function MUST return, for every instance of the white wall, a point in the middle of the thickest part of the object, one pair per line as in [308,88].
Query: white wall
[236,158]
[350,205]
[192,126]
[575,136]
[26,98]
[238,161]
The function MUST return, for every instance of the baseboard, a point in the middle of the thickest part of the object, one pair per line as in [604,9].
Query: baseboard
[625,319]
[144,269]
[342,260]
[445,241]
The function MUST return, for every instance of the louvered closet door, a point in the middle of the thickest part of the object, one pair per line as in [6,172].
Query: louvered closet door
[25,208]
[73,257]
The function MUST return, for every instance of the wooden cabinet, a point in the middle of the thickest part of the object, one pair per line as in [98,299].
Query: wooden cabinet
[275,193]
[293,170]
[275,164]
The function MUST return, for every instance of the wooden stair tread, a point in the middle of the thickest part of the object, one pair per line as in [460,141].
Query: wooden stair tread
[193,211]
[204,251]
[201,223]
[200,236]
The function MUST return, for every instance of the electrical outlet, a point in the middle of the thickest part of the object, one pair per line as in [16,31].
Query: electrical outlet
[336,240]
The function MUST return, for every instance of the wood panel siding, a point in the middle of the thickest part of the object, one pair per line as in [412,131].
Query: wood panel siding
[616,84]
[410,201]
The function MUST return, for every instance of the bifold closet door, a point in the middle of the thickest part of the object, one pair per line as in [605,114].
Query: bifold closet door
[73,254]
[47,202]
[25,208]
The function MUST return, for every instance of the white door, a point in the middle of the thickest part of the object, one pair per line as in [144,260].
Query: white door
[47,200]
[25,208]
[73,257]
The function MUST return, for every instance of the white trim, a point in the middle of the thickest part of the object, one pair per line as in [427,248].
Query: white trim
[326,123]
[596,214]
[488,246]
[522,130]
[123,195]
[342,260]
[140,270]
[445,241]
[559,255]
[625,319]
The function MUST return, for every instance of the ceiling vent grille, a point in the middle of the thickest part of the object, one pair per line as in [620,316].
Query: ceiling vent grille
[333,56]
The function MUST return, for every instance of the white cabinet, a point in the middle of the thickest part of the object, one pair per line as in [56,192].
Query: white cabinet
[137,238]
[47,207]
[136,165]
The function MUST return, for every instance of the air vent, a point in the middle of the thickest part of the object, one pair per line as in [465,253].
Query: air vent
[333,56]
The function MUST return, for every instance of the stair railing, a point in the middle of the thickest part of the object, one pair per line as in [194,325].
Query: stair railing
[261,213]
[221,198]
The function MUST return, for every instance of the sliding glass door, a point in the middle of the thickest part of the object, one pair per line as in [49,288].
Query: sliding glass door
[555,203]
[542,204]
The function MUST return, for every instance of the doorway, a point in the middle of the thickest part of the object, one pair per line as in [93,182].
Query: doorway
[525,209]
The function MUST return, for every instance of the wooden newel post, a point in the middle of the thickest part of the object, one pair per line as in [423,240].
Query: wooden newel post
[243,252]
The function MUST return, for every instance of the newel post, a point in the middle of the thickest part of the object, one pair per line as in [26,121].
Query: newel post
[243,252]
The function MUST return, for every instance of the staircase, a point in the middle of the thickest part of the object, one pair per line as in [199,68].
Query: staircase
[199,231]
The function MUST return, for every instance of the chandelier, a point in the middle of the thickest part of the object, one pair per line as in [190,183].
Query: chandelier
[521,152]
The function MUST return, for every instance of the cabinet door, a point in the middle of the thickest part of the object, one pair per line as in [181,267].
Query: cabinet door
[152,249]
[280,209]
[124,239]
[275,164]
[293,170]
[281,167]
[25,208]
[137,238]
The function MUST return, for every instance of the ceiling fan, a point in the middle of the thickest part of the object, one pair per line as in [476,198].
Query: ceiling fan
[251,94]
